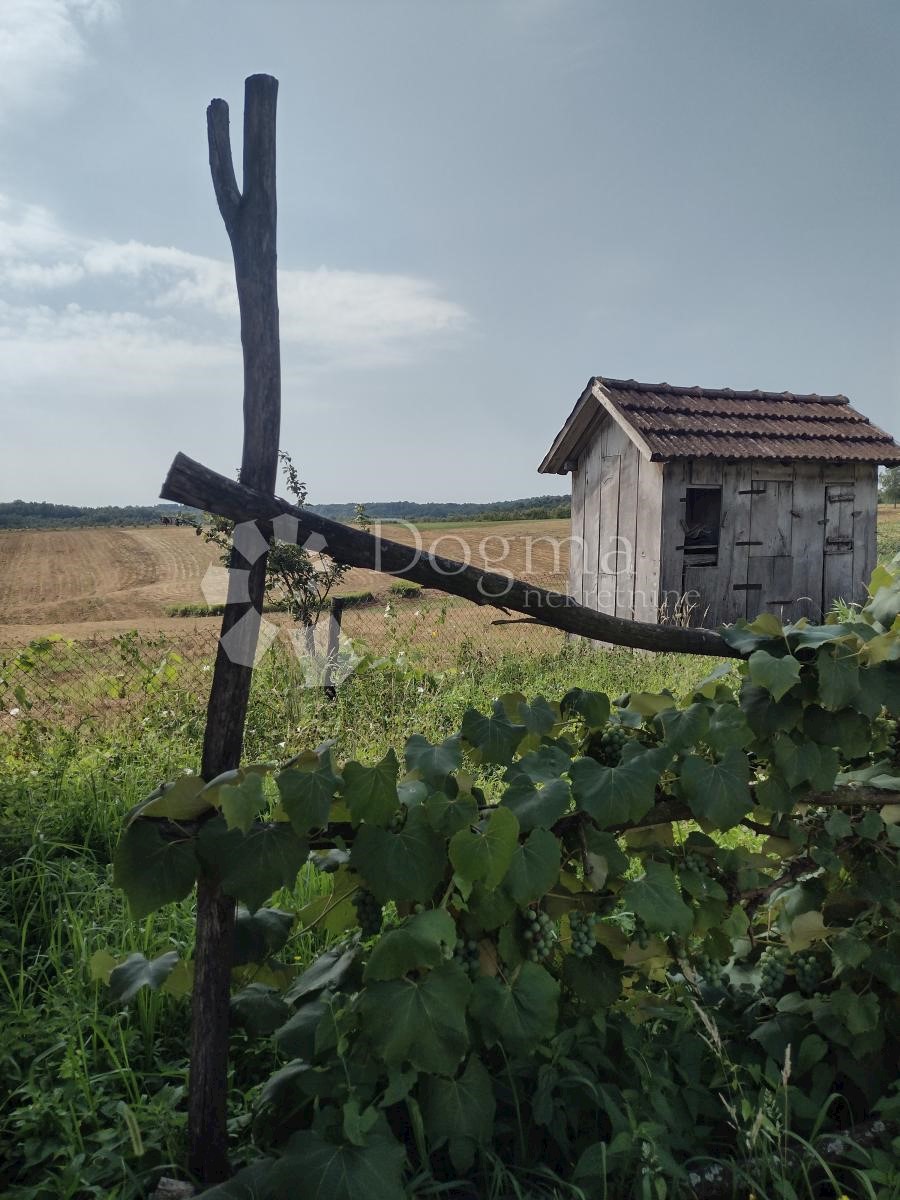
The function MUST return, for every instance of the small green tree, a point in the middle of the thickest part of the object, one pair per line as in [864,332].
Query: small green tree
[299,580]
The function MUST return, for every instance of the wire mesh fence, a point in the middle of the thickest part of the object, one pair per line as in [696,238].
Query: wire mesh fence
[103,677]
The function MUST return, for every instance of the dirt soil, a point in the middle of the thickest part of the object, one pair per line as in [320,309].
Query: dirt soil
[82,581]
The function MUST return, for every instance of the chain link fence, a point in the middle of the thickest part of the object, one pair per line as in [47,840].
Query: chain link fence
[103,677]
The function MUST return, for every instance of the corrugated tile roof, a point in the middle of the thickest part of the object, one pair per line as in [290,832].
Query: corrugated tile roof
[696,422]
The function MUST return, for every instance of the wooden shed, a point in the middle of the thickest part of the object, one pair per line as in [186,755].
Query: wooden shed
[717,503]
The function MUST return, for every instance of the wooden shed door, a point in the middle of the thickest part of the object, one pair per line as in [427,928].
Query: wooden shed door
[840,500]
[770,543]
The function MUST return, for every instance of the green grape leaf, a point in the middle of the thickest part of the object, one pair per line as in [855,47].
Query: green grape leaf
[838,677]
[776,674]
[539,717]
[766,716]
[484,853]
[799,762]
[592,707]
[421,1021]
[329,970]
[306,795]
[708,687]
[728,729]
[407,865]
[447,816]
[718,792]
[259,1009]
[534,867]
[153,870]
[259,935]
[495,738]
[460,1112]
[517,1014]
[774,794]
[807,637]
[617,795]
[544,765]
[596,980]
[251,866]
[416,944]
[682,727]
[885,603]
[536,806]
[489,908]
[373,1171]
[250,1183]
[296,1038]
[847,730]
[747,638]
[649,704]
[655,898]
[241,800]
[604,855]
[433,762]
[371,792]
[137,971]
[180,800]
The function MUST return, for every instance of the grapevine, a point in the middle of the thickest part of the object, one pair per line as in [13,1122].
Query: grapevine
[465,955]
[772,965]
[540,934]
[709,969]
[611,745]
[584,938]
[368,913]
[808,971]
[696,862]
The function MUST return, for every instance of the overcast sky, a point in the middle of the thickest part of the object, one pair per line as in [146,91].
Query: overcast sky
[482,203]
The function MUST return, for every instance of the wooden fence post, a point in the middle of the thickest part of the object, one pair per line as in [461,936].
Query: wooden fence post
[250,219]
[333,646]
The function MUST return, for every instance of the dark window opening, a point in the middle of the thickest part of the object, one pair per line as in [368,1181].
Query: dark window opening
[702,520]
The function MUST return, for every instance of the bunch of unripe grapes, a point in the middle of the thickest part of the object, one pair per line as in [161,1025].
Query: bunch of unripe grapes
[541,935]
[368,913]
[772,966]
[809,971]
[612,743]
[465,954]
[709,969]
[696,862]
[584,939]
[398,820]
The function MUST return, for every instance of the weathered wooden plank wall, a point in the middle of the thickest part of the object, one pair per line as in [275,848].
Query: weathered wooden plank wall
[674,495]
[648,535]
[793,536]
[728,600]
[807,563]
[576,555]
[865,520]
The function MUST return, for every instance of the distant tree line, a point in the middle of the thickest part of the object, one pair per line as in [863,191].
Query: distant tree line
[40,514]
[533,508]
[33,514]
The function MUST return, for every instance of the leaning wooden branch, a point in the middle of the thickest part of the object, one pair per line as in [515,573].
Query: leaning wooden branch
[189,482]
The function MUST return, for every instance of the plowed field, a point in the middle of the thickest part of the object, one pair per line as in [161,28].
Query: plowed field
[127,578]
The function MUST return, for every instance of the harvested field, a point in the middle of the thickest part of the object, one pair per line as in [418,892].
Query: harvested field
[83,580]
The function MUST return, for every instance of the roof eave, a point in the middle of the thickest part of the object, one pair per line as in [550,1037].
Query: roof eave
[577,425]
